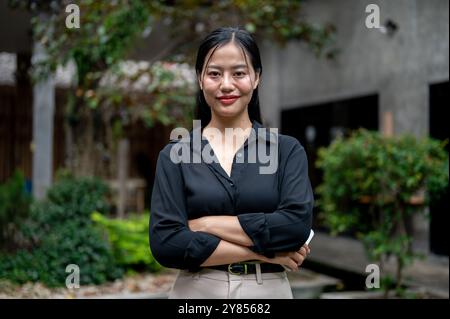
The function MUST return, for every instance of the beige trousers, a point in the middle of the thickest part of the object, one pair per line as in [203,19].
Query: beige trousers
[218,284]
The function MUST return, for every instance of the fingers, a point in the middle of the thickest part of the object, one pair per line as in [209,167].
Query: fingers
[293,260]
[296,259]
[303,251]
[300,256]
[308,250]
[301,261]
[293,265]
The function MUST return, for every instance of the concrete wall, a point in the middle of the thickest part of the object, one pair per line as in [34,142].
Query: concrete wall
[398,68]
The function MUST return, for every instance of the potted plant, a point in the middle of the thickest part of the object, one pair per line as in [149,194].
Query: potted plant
[373,184]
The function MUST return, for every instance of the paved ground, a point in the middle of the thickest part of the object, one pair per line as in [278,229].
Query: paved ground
[348,254]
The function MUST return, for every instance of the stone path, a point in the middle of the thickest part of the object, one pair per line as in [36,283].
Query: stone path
[431,274]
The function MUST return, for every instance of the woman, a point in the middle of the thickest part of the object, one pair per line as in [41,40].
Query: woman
[231,229]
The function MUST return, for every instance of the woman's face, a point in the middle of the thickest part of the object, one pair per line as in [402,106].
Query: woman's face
[228,81]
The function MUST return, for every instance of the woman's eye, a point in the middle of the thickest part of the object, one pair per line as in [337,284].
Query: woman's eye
[214,74]
[239,74]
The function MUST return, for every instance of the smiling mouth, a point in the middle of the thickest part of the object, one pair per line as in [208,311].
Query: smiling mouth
[228,100]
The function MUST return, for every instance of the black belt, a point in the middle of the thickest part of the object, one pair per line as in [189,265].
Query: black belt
[245,268]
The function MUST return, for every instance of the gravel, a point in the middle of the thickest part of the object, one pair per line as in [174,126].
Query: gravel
[144,285]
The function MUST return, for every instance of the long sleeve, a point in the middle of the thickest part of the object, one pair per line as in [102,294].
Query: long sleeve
[287,228]
[172,243]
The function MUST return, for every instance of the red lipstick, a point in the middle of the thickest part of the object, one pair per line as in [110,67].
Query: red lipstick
[228,99]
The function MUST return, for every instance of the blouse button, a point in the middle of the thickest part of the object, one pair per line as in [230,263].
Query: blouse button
[239,154]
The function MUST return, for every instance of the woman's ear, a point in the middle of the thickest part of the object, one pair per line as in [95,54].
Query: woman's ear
[199,82]
[255,85]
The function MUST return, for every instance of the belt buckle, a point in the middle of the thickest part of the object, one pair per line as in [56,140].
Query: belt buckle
[242,269]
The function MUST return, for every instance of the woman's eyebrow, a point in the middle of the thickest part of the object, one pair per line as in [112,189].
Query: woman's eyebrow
[237,66]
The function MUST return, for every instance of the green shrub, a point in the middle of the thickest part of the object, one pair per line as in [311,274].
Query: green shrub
[129,239]
[373,184]
[61,232]
[14,208]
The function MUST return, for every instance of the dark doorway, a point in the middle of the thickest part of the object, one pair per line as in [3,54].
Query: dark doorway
[439,115]
[317,125]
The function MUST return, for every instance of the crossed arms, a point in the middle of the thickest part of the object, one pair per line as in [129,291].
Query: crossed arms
[276,237]
[235,243]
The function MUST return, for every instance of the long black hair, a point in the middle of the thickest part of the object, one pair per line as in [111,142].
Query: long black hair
[217,39]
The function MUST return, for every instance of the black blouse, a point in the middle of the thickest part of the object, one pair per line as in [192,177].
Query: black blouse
[275,210]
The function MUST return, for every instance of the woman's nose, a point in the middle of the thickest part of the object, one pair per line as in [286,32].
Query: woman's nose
[227,83]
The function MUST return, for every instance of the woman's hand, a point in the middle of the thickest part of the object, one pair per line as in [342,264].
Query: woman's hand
[291,259]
